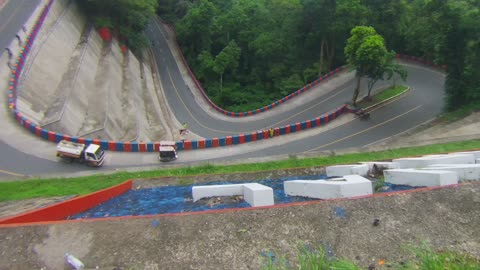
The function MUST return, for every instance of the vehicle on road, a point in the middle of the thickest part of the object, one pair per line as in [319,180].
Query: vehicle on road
[91,154]
[167,151]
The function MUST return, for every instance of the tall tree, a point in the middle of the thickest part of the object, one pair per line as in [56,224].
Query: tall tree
[366,53]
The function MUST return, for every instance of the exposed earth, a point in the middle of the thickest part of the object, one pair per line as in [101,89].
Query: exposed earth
[446,218]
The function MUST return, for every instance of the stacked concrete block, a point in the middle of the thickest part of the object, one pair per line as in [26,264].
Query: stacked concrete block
[469,172]
[345,187]
[420,178]
[421,162]
[258,195]
[254,194]
[341,170]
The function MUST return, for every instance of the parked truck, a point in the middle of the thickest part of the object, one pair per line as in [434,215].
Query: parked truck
[167,151]
[90,154]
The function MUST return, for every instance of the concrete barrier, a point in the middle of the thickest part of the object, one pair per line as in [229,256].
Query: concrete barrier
[421,162]
[420,178]
[341,170]
[345,187]
[469,172]
[253,193]
[381,165]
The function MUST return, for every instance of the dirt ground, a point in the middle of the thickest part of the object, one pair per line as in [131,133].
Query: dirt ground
[445,218]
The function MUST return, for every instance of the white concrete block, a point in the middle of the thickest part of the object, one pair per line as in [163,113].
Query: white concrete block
[470,172]
[420,162]
[341,170]
[296,187]
[258,195]
[199,192]
[344,187]
[476,154]
[420,178]
[253,193]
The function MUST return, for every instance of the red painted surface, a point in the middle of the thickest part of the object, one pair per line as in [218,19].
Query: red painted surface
[287,129]
[51,136]
[187,145]
[81,140]
[326,118]
[215,142]
[229,140]
[201,144]
[298,126]
[277,131]
[254,136]
[112,145]
[127,147]
[67,138]
[142,147]
[38,131]
[96,141]
[62,210]
[266,134]
[156,146]
[309,124]
[241,138]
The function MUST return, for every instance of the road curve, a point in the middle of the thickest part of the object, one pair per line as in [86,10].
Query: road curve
[422,103]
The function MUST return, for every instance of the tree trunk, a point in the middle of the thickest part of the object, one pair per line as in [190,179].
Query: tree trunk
[321,58]
[331,54]
[221,82]
[357,90]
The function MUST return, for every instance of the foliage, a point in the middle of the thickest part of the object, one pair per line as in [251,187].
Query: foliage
[425,258]
[367,54]
[128,18]
[286,43]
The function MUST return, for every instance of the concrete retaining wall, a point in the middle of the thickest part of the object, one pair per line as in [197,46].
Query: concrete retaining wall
[37,91]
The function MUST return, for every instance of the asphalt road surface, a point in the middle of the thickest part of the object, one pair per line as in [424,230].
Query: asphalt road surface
[424,102]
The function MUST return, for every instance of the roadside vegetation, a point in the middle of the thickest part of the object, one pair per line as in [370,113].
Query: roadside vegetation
[424,259]
[25,189]
[124,19]
[383,95]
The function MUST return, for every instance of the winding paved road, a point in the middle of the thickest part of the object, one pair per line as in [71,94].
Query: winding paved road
[421,104]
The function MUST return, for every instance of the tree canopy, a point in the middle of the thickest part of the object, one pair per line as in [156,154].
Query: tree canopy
[128,18]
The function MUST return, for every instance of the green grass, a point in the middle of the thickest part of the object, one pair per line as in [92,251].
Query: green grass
[389,92]
[26,189]
[424,259]
[383,95]
[460,113]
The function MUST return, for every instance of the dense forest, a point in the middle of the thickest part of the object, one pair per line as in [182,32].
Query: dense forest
[248,53]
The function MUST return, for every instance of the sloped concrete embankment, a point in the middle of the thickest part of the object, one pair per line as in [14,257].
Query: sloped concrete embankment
[49,58]
[77,84]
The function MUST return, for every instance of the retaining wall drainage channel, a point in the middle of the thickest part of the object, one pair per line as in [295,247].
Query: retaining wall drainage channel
[123,201]
[17,69]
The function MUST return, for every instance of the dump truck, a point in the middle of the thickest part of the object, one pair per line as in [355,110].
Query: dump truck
[91,154]
[167,151]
